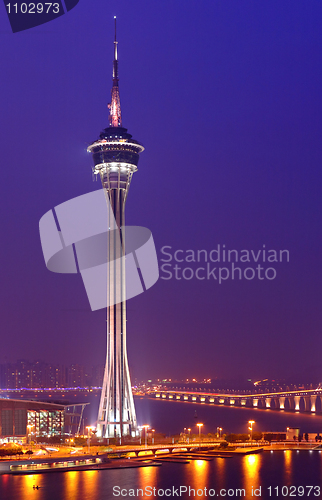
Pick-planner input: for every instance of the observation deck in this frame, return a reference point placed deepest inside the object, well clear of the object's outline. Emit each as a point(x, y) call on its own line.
point(115, 150)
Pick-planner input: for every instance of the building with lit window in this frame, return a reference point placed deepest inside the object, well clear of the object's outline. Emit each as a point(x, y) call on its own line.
point(27, 420)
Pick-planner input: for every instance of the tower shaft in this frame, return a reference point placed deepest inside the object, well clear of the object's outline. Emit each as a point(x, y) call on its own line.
point(116, 411)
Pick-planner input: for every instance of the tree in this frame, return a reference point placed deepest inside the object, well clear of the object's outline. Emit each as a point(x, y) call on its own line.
point(232, 438)
point(9, 451)
point(306, 436)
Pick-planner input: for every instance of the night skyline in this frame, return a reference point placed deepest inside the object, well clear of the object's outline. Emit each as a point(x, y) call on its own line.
point(227, 103)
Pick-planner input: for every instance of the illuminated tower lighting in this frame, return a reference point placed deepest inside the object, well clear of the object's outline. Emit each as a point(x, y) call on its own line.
point(116, 155)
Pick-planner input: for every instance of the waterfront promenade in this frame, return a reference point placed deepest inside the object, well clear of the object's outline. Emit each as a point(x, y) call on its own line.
point(66, 459)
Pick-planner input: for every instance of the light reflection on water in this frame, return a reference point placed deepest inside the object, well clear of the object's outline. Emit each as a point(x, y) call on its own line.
point(71, 485)
point(247, 471)
point(220, 467)
point(23, 487)
point(288, 454)
point(251, 465)
point(147, 477)
point(199, 475)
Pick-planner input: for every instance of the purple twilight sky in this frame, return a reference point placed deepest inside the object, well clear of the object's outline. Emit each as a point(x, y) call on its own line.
point(226, 98)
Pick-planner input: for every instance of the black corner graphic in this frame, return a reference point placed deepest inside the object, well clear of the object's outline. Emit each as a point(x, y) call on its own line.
point(25, 15)
point(70, 4)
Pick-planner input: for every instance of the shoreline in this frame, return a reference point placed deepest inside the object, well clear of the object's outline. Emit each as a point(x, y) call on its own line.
point(103, 461)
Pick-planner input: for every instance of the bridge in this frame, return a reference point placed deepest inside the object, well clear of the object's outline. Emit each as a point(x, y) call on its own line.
point(298, 400)
point(159, 449)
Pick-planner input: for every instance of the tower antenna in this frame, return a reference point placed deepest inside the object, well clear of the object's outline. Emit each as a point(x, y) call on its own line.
point(115, 105)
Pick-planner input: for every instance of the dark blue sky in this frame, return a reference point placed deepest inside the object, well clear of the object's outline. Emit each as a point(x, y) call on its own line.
point(226, 98)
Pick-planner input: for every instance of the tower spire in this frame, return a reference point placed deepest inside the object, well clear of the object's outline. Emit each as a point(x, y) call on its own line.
point(115, 117)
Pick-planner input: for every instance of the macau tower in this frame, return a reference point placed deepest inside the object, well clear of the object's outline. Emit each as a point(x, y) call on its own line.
point(116, 155)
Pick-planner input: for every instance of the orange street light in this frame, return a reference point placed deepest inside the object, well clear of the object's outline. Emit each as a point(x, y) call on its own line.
point(251, 422)
point(199, 425)
point(145, 427)
point(89, 434)
point(29, 427)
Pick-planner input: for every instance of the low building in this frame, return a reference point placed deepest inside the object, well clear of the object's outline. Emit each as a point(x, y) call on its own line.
point(292, 433)
point(22, 420)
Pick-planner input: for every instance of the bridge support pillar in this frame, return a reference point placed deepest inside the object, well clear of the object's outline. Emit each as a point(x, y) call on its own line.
point(243, 402)
point(268, 402)
point(282, 403)
point(307, 402)
point(313, 400)
point(255, 402)
point(290, 403)
point(231, 401)
point(297, 403)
